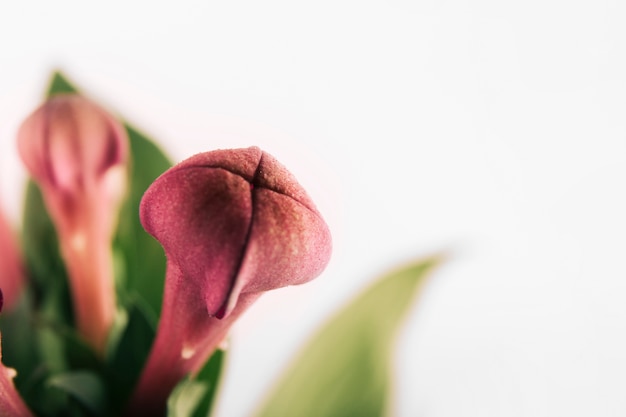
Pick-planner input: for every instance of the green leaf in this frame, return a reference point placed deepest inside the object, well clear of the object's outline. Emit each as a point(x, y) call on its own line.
point(59, 85)
point(210, 377)
point(194, 397)
point(46, 269)
point(130, 353)
point(19, 346)
point(86, 387)
point(143, 257)
point(344, 370)
point(185, 398)
point(36, 346)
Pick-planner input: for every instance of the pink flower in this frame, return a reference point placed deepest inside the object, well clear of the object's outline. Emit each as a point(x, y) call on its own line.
point(11, 403)
point(233, 224)
point(76, 152)
point(11, 268)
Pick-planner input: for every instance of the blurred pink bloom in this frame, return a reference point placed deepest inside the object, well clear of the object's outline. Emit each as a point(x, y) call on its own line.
point(11, 268)
point(11, 403)
point(77, 154)
point(233, 224)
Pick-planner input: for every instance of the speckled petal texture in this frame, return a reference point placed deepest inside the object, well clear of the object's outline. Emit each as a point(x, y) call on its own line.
point(236, 221)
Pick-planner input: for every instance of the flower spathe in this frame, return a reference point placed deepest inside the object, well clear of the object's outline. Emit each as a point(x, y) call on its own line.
point(76, 152)
point(233, 224)
point(235, 221)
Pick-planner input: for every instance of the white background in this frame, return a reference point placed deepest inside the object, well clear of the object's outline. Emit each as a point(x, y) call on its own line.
point(493, 131)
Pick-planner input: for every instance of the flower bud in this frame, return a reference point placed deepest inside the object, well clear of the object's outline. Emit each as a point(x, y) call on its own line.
point(233, 224)
point(77, 154)
point(11, 403)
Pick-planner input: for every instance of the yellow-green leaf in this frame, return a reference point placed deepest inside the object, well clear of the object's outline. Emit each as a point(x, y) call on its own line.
point(194, 397)
point(345, 369)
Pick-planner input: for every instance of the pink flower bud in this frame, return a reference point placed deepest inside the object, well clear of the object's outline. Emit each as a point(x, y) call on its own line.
point(11, 403)
point(233, 224)
point(77, 152)
point(11, 268)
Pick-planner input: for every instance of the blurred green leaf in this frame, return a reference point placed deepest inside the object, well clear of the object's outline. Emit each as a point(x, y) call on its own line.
point(46, 402)
point(344, 370)
point(210, 377)
point(37, 346)
point(45, 267)
point(185, 398)
point(59, 85)
point(86, 387)
point(128, 356)
point(19, 346)
point(143, 257)
point(193, 397)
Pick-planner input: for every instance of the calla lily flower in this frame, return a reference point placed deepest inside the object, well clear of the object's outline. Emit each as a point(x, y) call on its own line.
point(11, 268)
point(233, 224)
point(77, 153)
point(11, 403)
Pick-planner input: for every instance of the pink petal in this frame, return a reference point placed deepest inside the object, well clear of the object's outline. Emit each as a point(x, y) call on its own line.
point(77, 154)
point(69, 142)
point(11, 269)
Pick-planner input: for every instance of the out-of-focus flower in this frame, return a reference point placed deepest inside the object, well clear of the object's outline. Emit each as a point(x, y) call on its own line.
point(11, 268)
point(77, 154)
point(11, 403)
point(233, 224)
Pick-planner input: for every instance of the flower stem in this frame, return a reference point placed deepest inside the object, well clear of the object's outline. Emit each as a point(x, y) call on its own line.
point(185, 340)
point(86, 249)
